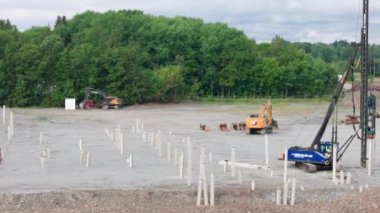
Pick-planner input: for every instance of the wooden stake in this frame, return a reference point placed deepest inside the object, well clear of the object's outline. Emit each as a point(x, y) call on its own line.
point(118, 142)
point(82, 156)
point(168, 151)
point(41, 137)
point(130, 161)
point(205, 194)
point(48, 152)
point(202, 155)
point(370, 156)
point(212, 189)
point(199, 193)
point(160, 146)
point(88, 160)
point(9, 134)
point(188, 162)
point(278, 196)
point(334, 163)
point(11, 123)
point(348, 177)
point(175, 157)
point(150, 138)
point(42, 162)
point(292, 200)
point(201, 161)
point(121, 144)
point(233, 169)
point(1, 154)
point(341, 176)
point(285, 201)
point(144, 136)
point(202, 180)
point(373, 152)
point(253, 185)
point(181, 164)
point(80, 145)
point(266, 151)
point(286, 166)
point(240, 176)
point(43, 158)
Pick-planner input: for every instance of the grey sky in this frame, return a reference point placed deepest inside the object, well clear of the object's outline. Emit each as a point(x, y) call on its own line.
point(294, 20)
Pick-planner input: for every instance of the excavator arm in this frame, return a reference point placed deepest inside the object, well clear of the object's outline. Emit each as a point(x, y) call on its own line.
point(269, 113)
point(88, 91)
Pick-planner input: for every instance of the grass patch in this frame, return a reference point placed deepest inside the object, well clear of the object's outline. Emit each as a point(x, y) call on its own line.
point(276, 101)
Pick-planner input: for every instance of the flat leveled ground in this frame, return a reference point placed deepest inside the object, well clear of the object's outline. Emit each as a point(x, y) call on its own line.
point(154, 183)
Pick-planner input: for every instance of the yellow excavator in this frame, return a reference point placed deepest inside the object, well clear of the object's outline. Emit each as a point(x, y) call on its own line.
point(263, 122)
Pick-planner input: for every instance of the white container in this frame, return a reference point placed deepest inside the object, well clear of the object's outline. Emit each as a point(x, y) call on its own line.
point(69, 103)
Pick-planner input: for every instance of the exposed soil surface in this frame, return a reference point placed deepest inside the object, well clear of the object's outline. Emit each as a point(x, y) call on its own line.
point(229, 199)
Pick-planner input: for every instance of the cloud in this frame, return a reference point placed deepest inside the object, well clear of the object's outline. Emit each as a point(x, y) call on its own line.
point(295, 20)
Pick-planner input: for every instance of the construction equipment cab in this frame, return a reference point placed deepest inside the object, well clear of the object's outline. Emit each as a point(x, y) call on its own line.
point(262, 122)
point(99, 100)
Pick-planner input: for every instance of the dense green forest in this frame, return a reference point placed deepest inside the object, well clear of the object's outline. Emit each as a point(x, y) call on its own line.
point(144, 58)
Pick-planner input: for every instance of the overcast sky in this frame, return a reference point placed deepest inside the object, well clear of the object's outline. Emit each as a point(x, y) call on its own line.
point(294, 20)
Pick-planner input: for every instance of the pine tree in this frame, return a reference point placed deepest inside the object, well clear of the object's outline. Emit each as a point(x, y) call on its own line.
point(58, 21)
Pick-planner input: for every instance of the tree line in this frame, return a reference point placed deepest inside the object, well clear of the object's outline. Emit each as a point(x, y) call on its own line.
point(143, 58)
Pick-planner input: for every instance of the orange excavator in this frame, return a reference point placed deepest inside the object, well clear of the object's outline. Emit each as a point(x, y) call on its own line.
point(263, 122)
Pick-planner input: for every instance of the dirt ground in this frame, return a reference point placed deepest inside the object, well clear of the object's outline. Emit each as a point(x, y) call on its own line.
point(228, 199)
point(154, 183)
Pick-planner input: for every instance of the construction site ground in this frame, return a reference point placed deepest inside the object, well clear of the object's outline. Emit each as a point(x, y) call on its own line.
point(154, 184)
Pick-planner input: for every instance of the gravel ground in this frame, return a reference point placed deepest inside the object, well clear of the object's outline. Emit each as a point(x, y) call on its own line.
point(153, 184)
point(228, 199)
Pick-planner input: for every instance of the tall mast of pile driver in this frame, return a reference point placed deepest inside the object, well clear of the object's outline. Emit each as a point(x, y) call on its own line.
point(364, 84)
